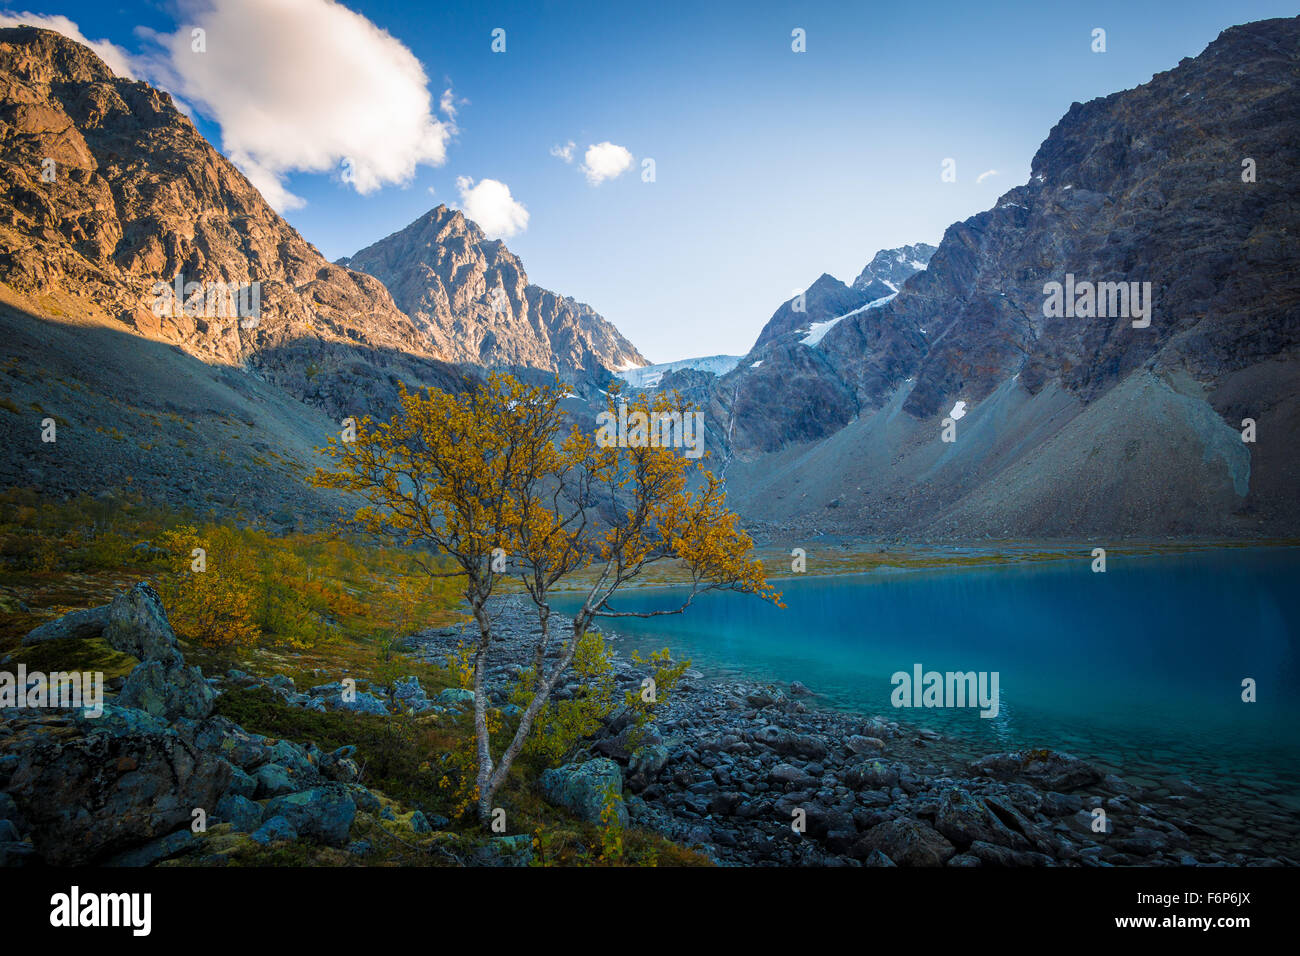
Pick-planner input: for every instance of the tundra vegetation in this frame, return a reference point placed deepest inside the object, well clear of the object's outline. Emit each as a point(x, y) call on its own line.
point(496, 473)
point(314, 608)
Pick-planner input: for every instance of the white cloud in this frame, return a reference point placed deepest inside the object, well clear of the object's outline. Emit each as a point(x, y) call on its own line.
point(564, 152)
point(490, 204)
point(117, 59)
point(605, 161)
point(449, 106)
point(305, 86)
point(985, 175)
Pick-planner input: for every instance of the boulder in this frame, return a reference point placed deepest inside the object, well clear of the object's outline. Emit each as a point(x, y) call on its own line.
point(456, 697)
point(906, 843)
point(88, 797)
point(409, 692)
point(83, 624)
point(786, 774)
point(274, 780)
point(168, 689)
point(336, 697)
point(274, 830)
point(1048, 769)
point(646, 762)
point(964, 819)
point(324, 814)
point(155, 851)
point(581, 788)
point(871, 775)
point(242, 814)
point(858, 744)
point(506, 851)
point(137, 625)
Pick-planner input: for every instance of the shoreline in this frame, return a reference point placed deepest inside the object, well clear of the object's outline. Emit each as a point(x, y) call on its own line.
point(728, 765)
point(852, 559)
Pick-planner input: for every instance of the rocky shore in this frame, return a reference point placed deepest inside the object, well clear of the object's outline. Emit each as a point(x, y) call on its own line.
point(731, 766)
point(156, 775)
point(746, 773)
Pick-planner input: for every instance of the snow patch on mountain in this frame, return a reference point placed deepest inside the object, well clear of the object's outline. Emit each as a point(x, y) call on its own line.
point(649, 376)
point(817, 331)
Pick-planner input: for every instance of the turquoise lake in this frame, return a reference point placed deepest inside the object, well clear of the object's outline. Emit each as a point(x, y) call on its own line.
point(1139, 668)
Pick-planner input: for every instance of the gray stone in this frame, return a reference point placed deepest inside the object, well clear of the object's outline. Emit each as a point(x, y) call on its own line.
point(83, 624)
point(137, 625)
point(168, 689)
point(457, 697)
point(273, 831)
point(581, 788)
point(964, 819)
point(907, 843)
point(322, 813)
point(155, 851)
point(242, 814)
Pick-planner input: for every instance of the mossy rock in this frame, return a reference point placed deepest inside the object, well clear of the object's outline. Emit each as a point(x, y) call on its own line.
point(75, 654)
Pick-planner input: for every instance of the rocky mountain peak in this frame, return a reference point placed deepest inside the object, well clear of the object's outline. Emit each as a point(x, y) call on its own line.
point(1157, 194)
point(472, 301)
point(39, 57)
point(113, 199)
point(890, 268)
point(828, 298)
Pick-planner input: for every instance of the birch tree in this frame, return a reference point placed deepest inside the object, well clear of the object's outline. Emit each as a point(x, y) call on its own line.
point(493, 480)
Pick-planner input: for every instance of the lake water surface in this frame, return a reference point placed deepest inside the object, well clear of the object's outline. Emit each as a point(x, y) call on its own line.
point(1140, 667)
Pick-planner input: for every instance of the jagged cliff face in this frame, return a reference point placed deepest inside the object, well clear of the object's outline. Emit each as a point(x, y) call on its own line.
point(1074, 423)
point(106, 190)
point(789, 369)
point(825, 299)
point(890, 268)
point(472, 302)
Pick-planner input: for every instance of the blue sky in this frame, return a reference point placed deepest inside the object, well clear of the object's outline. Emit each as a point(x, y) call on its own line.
point(771, 166)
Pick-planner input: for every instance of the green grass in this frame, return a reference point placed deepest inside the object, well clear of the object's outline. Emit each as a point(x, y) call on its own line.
point(93, 654)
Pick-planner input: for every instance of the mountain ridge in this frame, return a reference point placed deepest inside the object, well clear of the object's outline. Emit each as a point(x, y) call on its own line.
point(471, 296)
point(1143, 185)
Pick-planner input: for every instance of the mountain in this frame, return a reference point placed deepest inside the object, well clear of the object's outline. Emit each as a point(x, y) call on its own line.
point(137, 197)
point(472, 302)
point(107, 194)
point(828, 298)
point(890, 268)
point(825, 299)
point(1074, 424)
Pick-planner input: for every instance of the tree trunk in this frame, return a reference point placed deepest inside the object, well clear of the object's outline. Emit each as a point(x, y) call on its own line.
point(540, 697)
point(539, 655)
point(480, 716)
